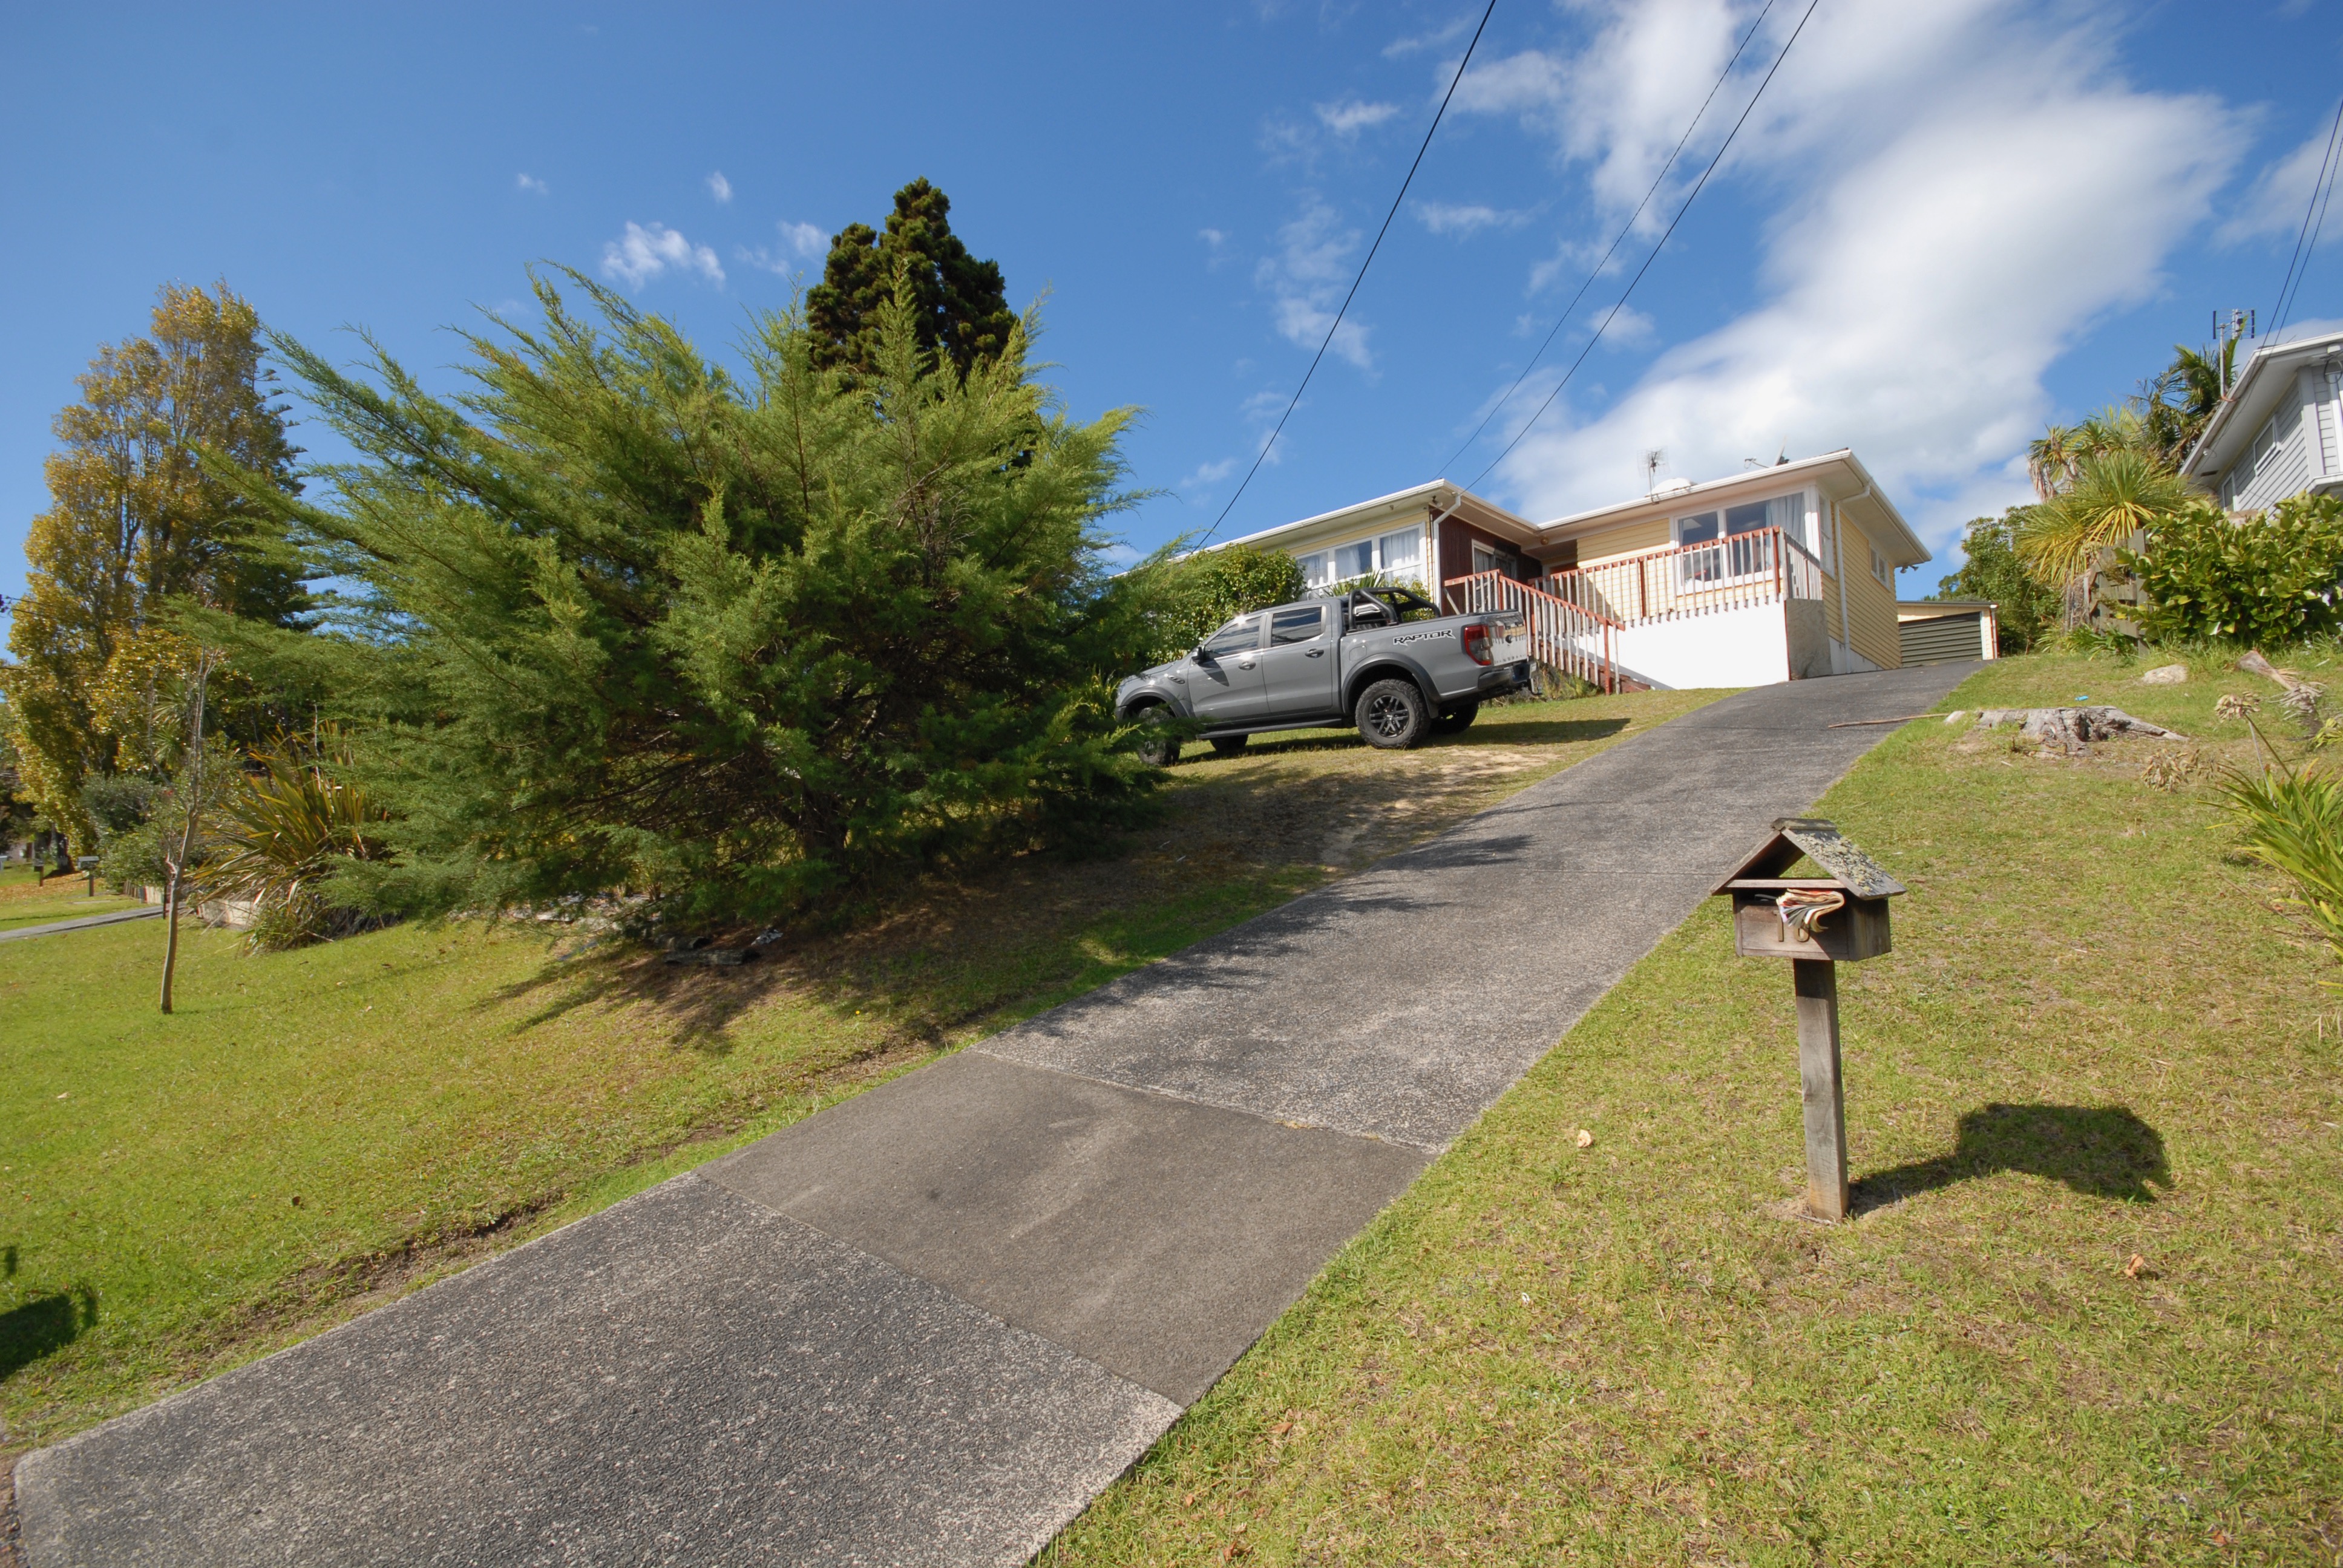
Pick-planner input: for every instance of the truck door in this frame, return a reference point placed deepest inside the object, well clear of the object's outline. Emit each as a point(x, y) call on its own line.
point(1224, 687)
point(1298, 667)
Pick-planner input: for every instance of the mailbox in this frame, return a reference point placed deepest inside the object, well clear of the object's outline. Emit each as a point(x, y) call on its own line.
point(1819, 923)
point(1840, 917)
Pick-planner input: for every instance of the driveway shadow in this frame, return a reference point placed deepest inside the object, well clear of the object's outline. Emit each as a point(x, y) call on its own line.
point(2100, 1151)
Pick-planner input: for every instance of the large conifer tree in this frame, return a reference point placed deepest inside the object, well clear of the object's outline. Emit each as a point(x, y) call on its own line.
point(960, 304)
point(749, 641)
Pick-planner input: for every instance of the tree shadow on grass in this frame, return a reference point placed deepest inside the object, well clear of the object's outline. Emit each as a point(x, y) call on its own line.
point(44, 1324)
point(2100, 1150)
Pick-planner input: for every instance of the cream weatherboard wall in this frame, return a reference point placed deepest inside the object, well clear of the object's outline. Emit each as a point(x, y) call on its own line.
point(1870, 603)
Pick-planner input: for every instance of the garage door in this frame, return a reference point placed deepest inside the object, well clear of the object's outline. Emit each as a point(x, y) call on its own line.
point(1941, 639)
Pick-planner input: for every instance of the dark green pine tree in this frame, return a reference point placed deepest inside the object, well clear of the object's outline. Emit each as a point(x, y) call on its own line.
point(961, 304)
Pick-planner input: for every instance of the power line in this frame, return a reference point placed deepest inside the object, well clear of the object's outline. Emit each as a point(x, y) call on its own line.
point(2306, 239)
point(1306, 374)
point(1618, 240)
point(1688, 200)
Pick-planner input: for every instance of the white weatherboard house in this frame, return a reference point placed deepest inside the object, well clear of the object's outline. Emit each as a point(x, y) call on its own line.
point(2279, 431)
point(1770, 575)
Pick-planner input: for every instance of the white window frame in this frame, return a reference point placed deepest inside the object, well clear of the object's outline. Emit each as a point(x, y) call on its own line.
point(1796, 524)
point(1318, 572)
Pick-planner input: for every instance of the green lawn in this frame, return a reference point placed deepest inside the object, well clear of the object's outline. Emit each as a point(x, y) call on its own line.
point(314, 1131)
point(26, 902)
point(2097, 1041)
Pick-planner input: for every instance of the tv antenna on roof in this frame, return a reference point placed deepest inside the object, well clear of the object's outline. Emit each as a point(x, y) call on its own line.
point(2241, 324)
point(1652, 461)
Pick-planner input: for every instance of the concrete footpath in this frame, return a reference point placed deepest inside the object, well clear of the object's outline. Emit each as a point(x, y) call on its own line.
point(147, 912)
point(928, 1324)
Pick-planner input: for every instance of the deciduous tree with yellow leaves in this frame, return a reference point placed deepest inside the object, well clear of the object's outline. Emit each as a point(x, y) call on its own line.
point(136, 529)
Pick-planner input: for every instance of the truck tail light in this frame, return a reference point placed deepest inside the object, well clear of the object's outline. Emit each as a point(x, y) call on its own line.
point(1476, 642)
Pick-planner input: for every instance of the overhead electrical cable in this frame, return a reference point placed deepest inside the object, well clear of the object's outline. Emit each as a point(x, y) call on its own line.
point(1616, 241)
point(2314, 218)
point(1689, 198)
point(1263, 453)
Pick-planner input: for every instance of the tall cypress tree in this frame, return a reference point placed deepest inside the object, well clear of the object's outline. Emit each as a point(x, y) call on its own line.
point(961, 307)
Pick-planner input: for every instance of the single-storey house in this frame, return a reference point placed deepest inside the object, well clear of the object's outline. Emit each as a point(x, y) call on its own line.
point(1734, 582)
point(2279, 432)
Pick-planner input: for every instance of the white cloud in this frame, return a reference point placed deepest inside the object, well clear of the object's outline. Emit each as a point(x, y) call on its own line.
point(1307, 277)
point(2276, 200)
point(1959, 195)
point(1398, 49)
point(1213, 236)
point(532, 184)
point(1464, 220)
point(1351, 117)
point(799, 243)
point(642, 254)
point(1210, 473)
point(719, 186)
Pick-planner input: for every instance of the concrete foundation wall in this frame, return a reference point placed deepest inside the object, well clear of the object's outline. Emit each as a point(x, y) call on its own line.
point(1748, 647)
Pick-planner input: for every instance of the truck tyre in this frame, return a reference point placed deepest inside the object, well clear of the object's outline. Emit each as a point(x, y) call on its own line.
point(1456, 718)
point(1391, 714)
point(1157, 744)
point(1230, 745)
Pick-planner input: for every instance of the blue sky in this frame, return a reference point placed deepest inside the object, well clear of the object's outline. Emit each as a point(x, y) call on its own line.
point(1947, 221)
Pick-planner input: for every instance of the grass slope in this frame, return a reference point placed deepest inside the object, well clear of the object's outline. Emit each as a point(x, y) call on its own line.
point(2097, 1039)
point(315, 1131)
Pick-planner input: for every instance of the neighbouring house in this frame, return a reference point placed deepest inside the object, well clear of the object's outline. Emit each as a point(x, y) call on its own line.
point(1734, 582)
point(1945, 630)
point(2279, 432)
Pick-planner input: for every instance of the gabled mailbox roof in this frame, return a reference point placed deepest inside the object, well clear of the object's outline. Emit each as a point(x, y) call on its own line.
point(1820, 841)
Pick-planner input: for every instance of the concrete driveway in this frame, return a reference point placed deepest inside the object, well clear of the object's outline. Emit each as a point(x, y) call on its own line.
point(928, 1324)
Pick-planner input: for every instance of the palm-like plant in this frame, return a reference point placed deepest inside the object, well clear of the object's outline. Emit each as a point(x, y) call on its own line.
point(2111, 496)
point(289, 826)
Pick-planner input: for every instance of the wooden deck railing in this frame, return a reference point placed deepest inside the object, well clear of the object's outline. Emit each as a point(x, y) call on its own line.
point(1760, 567)
point(1562, 636)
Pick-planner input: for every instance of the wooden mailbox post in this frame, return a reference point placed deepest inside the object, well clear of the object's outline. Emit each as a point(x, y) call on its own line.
point(1817, 923)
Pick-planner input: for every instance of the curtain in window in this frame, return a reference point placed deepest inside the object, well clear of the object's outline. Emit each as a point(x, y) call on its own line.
point(1402, 552)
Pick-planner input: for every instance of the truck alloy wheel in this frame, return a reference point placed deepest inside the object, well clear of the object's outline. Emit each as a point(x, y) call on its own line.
point(1391, 714)
point(1157, 744)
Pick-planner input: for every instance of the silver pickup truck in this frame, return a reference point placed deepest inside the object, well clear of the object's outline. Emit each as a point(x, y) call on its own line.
point(1382, 658)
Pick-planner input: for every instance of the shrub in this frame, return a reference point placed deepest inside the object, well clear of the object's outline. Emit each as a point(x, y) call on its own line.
point(1191, 596)
point(753, 639)
point(286, 830)
point(2293, 823)
point(118, 802)
point(2265, 580)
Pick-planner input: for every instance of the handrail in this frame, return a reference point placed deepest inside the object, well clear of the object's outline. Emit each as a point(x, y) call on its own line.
point(1760, 567)
point(1562, 636)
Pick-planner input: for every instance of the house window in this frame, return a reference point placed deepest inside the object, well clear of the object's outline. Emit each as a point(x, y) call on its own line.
point(1395, 556)
point(1735, 553)
point(1881, 569)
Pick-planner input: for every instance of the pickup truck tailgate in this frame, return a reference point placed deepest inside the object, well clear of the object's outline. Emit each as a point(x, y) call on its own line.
point(1509, 639)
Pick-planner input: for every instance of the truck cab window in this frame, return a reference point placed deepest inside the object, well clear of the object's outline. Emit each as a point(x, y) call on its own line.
point(1301, 625)
point(1240, 636)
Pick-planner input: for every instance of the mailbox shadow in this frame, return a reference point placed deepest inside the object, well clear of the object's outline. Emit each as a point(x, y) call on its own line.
point(2100, 1151)
point(45, 1323)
